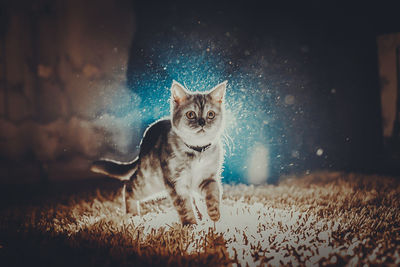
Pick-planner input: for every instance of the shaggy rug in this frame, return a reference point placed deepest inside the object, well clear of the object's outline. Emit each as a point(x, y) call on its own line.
point(319, 219)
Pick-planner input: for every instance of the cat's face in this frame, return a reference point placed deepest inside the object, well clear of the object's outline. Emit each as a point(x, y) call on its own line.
point(198, 118)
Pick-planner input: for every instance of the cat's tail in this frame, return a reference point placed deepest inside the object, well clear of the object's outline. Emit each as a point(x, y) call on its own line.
point(120, 170)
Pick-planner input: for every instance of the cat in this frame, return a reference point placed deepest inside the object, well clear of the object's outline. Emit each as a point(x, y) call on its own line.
point(179, 155)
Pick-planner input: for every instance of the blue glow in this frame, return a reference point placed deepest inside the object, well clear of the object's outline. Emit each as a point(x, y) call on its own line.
point(200, 68)
point(251, 102)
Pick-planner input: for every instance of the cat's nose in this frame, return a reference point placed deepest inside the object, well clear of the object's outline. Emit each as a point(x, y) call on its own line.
point(202, 122)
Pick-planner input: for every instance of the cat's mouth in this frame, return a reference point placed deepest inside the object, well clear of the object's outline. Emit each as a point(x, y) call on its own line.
point(201, 131)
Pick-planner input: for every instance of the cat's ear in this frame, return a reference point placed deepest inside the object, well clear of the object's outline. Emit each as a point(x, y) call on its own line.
point(218, 92)
point(178, 92)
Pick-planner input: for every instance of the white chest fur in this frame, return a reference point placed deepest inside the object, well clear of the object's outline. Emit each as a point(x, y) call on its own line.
point(206, 165)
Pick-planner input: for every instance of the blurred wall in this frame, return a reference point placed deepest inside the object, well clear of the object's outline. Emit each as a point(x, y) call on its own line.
point(61, 64)
point(387, 45)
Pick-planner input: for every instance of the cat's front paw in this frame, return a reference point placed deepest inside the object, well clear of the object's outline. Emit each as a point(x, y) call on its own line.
point(213, 212)
point(189, 221)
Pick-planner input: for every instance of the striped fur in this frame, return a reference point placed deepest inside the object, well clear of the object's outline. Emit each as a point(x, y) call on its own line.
point(115, 169)
point(178, 156)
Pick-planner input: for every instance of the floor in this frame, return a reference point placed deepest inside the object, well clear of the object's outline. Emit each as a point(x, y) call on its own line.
point(325, 218)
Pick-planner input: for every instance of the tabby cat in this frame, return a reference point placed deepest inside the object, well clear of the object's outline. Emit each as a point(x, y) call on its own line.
point(178, 155)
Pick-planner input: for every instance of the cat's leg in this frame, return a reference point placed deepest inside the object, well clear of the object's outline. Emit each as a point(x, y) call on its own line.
point(211, 189)
point(182, 201)
point(176, 177)
point(132, 205)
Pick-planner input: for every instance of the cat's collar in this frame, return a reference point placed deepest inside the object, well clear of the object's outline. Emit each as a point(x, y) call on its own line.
point(199, 148)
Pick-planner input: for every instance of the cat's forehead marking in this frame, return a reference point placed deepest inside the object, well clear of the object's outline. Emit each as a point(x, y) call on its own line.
point(200, 101)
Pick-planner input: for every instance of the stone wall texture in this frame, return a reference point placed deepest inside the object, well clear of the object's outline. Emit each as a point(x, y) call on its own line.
point(60, 64)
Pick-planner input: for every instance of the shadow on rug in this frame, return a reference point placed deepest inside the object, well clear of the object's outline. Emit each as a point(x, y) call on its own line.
point(323, 218)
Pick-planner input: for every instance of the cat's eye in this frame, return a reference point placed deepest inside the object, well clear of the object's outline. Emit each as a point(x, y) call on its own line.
point(210, 115)
point(191, 115)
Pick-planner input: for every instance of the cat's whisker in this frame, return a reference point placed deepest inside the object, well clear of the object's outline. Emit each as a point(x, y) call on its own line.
point(229, 142)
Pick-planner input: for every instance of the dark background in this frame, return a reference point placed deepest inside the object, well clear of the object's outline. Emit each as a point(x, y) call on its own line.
point(308, 68)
